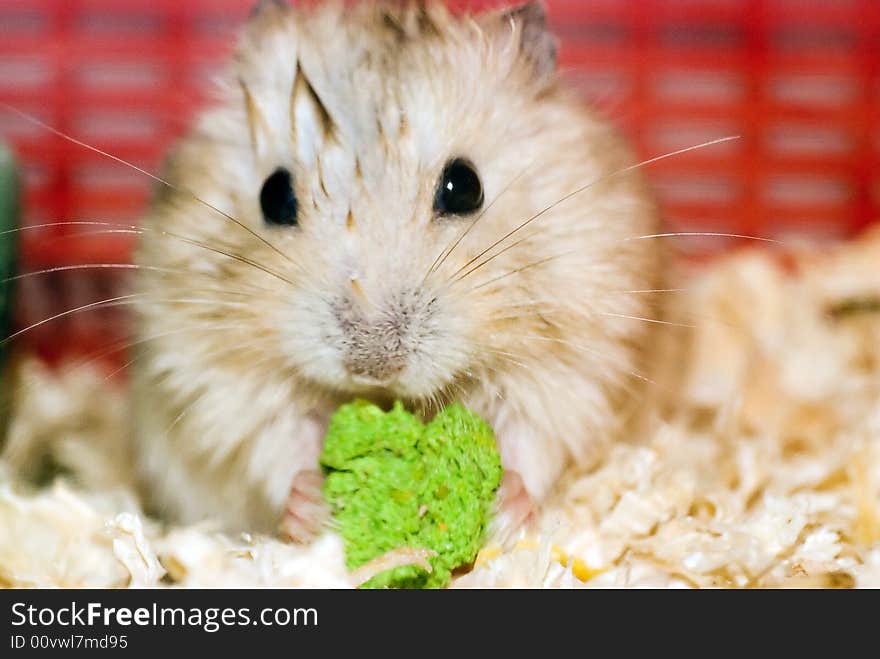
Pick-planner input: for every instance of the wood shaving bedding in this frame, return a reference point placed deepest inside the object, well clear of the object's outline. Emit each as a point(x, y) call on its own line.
point(767, 474)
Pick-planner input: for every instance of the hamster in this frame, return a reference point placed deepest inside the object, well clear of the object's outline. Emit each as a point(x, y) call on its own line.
point(382, 205)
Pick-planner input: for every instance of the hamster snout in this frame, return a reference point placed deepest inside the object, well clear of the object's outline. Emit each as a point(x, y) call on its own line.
point(391, 216)
point(376, 347)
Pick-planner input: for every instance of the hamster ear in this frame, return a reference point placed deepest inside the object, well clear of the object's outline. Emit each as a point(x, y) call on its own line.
point(266, 12)
point(266, 19)
point(528, 24)
point(263, 5)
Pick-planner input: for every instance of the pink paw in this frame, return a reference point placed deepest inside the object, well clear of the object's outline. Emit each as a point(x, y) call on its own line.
point(514, 509)
point(306, 511)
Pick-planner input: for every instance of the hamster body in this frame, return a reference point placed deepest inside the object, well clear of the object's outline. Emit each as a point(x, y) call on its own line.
point(350, 152)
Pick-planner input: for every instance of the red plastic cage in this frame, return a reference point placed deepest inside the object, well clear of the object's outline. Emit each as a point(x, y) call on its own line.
point(799, 80)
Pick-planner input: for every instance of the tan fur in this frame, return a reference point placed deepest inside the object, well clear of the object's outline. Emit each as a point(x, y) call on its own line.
point(240, 367)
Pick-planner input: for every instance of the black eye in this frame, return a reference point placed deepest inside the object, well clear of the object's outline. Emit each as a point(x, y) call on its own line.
point(460, 191)
point(278, 200)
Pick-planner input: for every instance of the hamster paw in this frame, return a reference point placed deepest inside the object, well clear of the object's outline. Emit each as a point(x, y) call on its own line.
point(514, 509)
point(306, 512)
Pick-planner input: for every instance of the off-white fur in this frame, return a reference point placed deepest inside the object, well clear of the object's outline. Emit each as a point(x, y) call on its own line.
point(239, 368)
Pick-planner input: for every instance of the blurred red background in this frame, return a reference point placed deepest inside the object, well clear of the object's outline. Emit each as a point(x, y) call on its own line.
point(799, 80)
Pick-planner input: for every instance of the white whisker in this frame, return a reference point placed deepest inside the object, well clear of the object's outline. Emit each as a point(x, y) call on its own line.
point(508, 356)
point(123, 229)
point(601, 179)
point(49, 225)
point(646, 320)
point(656, 290)
point(519, 270)
point(119, 346)
point(158, 179)
point(85, 266)
point(592, 351)
point(119, 301)
point(115, 301)
point(488, 260)
point(704, 234)
point(445, 254)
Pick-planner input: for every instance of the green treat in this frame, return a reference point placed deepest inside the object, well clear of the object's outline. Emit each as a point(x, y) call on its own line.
point(384, 468)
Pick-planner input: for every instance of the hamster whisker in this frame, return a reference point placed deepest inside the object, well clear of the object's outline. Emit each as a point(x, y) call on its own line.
point(531, 310)
point(133, 230)
point(144, 230)
point(189, 300)
point(47, 225)
point(195, 328)
point(696, 317)
point(432, 403)
point(119, 346)
point(525, 315)
point(507, 356)
point(535, 305)
point(459, 388)
point(85, 266)
point(493, 369)
point(441, 400)
point(231, 255)
point(247, 295)
point(255, 292)
point(119, 301)
point(587, 349)
point(436, 401)
point(491, 258)
point(597, 181)
point(158, 179)
point(126, 266)
point(226, 349)
point(656, 290)
point(441, 259)
point(186, 409)
point(534, 264)
point(646, 320)
point(542, 307)
point(706, 234)
point(110, 302)
point(549, 311)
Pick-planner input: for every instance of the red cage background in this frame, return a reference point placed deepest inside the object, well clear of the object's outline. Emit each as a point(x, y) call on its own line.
point(799, 80)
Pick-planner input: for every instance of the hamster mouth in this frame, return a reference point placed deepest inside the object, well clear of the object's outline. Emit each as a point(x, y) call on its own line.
point(376, 391)
point(385, 393)
point(370, 382)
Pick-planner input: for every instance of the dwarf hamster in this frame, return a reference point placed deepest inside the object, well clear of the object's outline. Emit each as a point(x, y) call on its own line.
point(381, 205)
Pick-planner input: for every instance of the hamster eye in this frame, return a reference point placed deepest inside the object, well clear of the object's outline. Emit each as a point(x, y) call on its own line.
point(460, 191)
point(277, 199)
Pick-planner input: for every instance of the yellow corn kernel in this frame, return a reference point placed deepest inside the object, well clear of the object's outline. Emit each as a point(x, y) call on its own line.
point(560, 556)
point(583, 571)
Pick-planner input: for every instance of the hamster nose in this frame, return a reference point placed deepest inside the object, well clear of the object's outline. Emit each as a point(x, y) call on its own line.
point(374, 368)
point(377, 347)
point(375, 353)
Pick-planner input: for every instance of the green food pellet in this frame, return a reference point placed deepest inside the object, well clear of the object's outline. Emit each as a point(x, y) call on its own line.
point(395, 482)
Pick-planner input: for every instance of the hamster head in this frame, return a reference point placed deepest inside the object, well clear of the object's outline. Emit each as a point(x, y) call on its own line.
point(371, 157)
